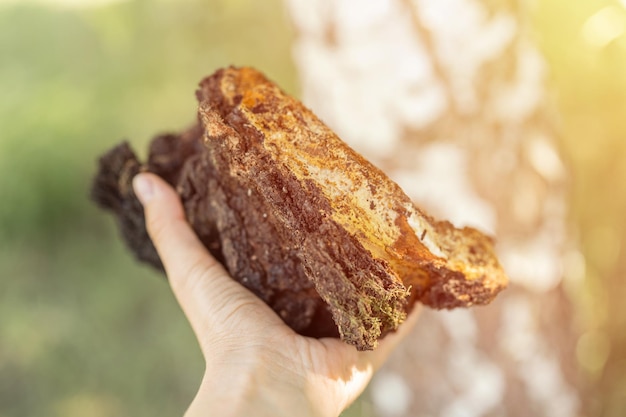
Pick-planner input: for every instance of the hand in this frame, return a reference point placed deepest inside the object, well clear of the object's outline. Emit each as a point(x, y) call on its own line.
point(255, 364)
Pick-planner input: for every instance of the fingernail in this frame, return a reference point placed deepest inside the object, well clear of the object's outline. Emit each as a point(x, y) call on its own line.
point(144, 188)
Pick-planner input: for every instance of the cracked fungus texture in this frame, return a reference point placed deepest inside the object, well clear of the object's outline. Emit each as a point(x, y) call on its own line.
point(448, 98)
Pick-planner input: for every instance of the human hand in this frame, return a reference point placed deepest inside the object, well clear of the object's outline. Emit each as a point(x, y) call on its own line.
point(255, 364)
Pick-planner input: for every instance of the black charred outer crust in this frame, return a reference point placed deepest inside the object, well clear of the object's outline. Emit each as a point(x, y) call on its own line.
point(274, 231)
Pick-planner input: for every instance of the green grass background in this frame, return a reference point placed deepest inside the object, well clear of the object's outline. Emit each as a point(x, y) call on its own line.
point(86, 331)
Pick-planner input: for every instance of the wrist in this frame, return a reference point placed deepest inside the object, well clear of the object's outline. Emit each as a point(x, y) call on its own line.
point(255, 386)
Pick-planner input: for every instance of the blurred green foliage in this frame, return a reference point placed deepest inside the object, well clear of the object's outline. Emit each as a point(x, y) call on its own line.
point(84, 329)
point(585, 46)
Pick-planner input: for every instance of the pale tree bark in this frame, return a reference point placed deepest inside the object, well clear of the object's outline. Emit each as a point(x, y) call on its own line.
point(448, 97)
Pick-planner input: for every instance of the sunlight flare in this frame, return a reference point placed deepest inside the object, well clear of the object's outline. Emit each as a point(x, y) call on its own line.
point(603, 27)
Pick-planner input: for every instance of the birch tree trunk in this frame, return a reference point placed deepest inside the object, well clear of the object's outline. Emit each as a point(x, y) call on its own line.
point(448, 98)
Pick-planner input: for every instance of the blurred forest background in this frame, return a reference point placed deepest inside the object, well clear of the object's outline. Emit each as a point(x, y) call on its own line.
point(85, 330)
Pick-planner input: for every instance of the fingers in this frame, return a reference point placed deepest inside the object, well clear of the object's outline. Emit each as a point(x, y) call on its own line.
point(387, 345)
point(197, 279)
point(203, 288)
point(178, 247)
point(371, 360)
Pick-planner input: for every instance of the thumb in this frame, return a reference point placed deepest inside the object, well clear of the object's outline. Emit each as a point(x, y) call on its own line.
point(199, 282)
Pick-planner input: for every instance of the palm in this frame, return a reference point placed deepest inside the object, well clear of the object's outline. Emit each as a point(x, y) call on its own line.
point(243, 341)
point(334, 370)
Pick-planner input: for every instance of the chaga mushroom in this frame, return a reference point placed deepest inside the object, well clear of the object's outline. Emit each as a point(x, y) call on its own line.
point(299, 218)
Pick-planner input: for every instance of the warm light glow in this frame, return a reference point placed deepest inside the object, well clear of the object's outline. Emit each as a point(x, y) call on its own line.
point(606, 25)
point(545, 159)
point(391, 394)
point(592, 350)
point(63, 3)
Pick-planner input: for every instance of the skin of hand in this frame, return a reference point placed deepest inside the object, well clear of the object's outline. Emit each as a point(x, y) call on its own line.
point(255, 364)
